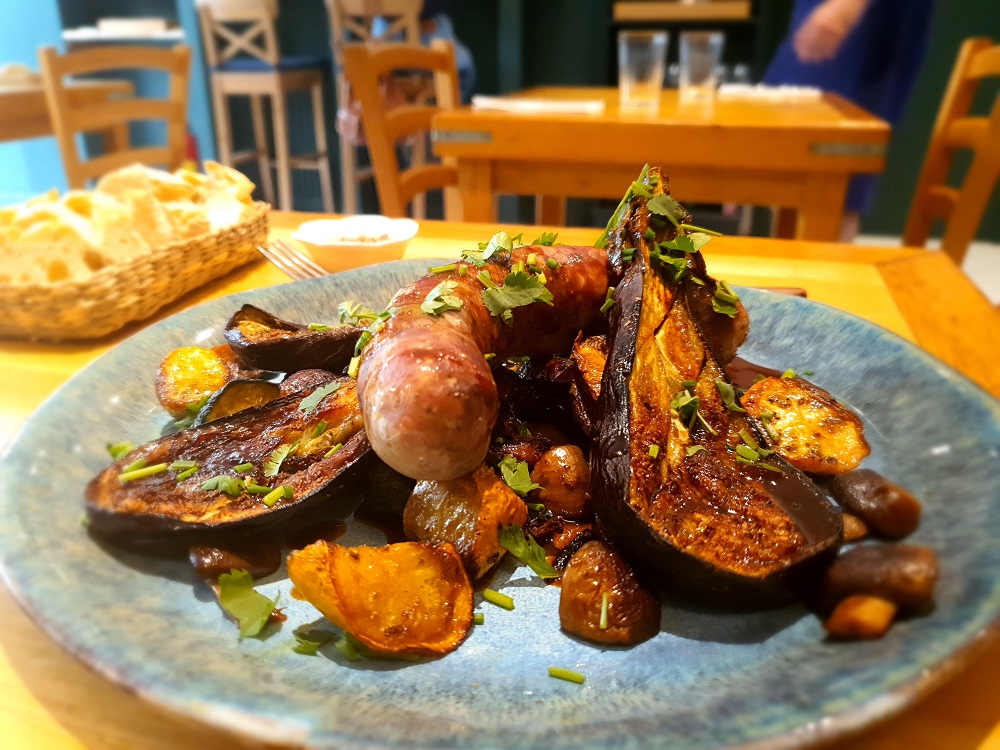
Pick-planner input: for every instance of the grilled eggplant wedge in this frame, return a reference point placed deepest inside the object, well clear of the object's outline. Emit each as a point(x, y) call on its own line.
point(265, 342)
point(682, 478)
point(240, 462)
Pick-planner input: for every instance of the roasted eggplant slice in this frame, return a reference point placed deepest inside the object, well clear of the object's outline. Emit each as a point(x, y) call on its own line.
point(681, 478)
point(589, 356)
point(235, 396)
point(263, 341)
point(239, 463)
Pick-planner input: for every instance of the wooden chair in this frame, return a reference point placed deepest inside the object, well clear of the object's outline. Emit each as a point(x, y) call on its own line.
point(241, 47)
point(962, 208)
point(365, 65)
point(71, 117)
point(352, 21)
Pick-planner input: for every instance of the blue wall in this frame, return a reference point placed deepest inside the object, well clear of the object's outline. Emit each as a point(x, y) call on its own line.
point(28, 167)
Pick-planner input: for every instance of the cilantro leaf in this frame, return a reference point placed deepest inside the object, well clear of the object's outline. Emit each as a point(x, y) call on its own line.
point(307, 642)
point(602, 241)
point(724, 300)
point(350, 312)
point(527, 550)
point(686, 406)
point(515, 474)
point(377, 324)
point(310, 402)
point(519, 289)
point(499, 242)
point(440, 299)
point(547, 239)
point(788, 373)
point(248, 607)
point(120, 450)
point(272, 466)
point(226, 484)
point(728, 394)
point(192, 410)
point(664, 205)
point(694, 449)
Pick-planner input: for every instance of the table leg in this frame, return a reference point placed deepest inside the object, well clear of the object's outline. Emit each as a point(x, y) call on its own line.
point(784, 222)
point(822, 212)
point(475, 180)
point(550, 210)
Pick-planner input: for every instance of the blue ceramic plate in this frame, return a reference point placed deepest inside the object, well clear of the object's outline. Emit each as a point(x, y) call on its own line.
point(706, 681)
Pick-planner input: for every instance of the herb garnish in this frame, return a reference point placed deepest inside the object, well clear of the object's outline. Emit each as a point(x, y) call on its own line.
point(141, 472)
point(500, 600)
point(192, 410)
point(686, 405)
point(350, 312)
point(527, 550)
point(243, 468)
point(765, 418)
point(789, 373)
point(515, 474)
point(318, 327)
point(654, 450)
point(441, 299)
point(692, 449)
point(609, 300)
point(224, 483)
point(499, 242)
point(567, 674)
point(603, 623)
point(248, 607)
point(308, 643)
point(728, 394)
point(310, 402)
point(724, 299)
point(602, 241)
point(519, 289)
point(547, 239)
point(120, 450)
point(284, 492)
point(478, 618)
point(333, 450)
point(272, 466)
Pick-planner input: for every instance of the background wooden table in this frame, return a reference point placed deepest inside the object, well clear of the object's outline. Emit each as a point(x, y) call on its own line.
point(49, 700)
point(795, 154)
point(25, 114)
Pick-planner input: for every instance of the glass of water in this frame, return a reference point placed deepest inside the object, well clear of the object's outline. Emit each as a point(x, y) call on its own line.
point(700, 55)
point(642, 56)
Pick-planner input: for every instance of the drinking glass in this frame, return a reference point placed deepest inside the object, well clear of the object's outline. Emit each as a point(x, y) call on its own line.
point(700, 54)
point(642, 56)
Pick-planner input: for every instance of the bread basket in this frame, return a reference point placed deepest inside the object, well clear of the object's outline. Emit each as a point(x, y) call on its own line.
point(132, 290)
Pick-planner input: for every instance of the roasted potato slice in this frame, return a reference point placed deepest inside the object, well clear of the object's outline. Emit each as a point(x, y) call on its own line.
point(564, 476)
point(632, 613)
point(467, 513)
point(808, 427)
point(589, 356)
point(189, 374)
point(860, 618)
point(402, 599)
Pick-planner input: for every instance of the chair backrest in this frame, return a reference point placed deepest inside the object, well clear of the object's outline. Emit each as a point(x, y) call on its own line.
point(233, 27)
point(111, 117)
point(961, 208)
point(365, 66)
point(351, 21)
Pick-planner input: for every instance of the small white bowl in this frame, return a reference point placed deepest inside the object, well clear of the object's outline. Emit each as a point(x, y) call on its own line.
point(341, 244)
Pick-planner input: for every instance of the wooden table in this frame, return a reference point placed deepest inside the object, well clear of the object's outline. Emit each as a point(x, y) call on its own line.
point(49, 700)
point(24, 113)
point(797, 155)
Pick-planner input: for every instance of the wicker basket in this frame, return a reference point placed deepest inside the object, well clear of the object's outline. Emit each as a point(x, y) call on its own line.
point(128, 291)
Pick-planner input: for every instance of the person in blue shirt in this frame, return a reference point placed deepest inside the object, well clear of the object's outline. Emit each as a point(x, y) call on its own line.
point(436, 24)
point(869, 52)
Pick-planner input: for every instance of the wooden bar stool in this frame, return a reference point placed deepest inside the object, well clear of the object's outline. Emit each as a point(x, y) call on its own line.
point(242, 50)
point(352, 21)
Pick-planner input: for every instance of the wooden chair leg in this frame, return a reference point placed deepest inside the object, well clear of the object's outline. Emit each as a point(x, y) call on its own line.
point(348, 179)
point(323, 160)
point(263, 150)
point(418, 157)
point(965, 219)
point(281, 157)
point(223, 133)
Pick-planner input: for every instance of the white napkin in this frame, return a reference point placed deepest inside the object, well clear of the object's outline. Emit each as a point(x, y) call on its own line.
point(539, 106)
point(767, 93)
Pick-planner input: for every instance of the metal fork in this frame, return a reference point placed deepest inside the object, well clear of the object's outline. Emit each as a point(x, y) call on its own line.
point(291, 261)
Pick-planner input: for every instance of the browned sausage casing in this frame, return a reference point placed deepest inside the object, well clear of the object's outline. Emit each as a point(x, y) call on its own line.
point(426, 391)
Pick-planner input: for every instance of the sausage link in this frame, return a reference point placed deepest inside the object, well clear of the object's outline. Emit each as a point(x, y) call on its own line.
point(427, 392)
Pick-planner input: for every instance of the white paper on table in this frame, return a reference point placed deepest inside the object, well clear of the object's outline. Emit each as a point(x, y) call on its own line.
point(767, 93)
point(539, 106)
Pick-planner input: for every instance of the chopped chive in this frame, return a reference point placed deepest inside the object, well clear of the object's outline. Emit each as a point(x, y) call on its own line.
point(654, 450)
point(187, 473)
point(789, 373)
point(746, 461)
point(604, 611)
point(694, 449)
point(352, 369)
point(145, 471)
point(628, 253)
point(500, 600)
point(688, 383)
point(462, 270)
point(810, 373)
point(135, 465)
point(444, 269)
point(748, 453)
point(705, 423)
point(489, 356)
point(566, 674)
point(243, 468)
point(693, 228)
point(760, 376)
point(649, 234)
point(532, 259)
point(333, 450)
point(769, 467)
point(256, 489)
point(318, 327)
point(485, 279)
point(319, 430)
point(182, 465)
point(552, 263)
point(284, 491)
point(120, 450)
point(479, 618)
point(609, 300)
point(748, 439)
point(346, 648)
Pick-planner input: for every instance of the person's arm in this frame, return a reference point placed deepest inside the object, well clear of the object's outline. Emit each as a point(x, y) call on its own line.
point(820, 36)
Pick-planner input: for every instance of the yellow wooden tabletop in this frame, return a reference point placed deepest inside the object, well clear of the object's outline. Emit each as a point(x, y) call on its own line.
point(49, 700)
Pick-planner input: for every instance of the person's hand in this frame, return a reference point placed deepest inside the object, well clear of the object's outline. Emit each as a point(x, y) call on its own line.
point(820, 36)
